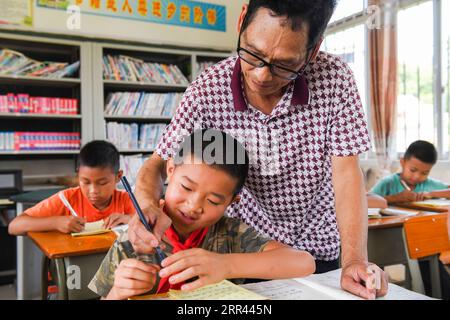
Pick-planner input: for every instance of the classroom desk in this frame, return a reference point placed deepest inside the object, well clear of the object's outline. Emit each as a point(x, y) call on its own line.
point(76, 260)
point(386, 246)
point(414, 206)
point(29, 257)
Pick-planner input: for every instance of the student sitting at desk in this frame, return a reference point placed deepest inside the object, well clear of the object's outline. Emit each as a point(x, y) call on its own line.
point(202, 243)
point(95, 198)
point(412, 183)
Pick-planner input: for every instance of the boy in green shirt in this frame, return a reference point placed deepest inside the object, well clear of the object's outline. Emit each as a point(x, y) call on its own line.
point(412, 183)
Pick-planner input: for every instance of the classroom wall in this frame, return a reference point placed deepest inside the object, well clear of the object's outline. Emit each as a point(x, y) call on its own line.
point(54, 21)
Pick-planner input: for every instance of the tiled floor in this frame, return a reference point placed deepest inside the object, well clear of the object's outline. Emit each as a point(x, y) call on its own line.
point(8, 292)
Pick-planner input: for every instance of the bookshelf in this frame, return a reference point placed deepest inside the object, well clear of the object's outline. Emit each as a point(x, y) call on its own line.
point(206, 58)
point(39, 152)
point(31, 116)
point(140, 93)
point(89, 86)
point(49, 112)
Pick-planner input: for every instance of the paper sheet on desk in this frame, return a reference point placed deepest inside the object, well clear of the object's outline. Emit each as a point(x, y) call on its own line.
point(91, 228)
point(373, 212)
point(6, 202)
point(434, 203)
point(224, 290)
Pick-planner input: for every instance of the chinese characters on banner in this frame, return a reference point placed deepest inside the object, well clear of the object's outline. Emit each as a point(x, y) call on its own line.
point(184, 13)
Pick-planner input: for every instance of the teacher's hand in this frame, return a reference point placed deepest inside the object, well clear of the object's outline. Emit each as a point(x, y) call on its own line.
point(143, 241)
point(364, 279)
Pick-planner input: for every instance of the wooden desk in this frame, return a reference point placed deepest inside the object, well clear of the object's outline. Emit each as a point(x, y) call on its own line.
point(412, 205)
point(395, 221)
point(386, 245)
point(71, 255)
point(55, 244)
point(29, 257)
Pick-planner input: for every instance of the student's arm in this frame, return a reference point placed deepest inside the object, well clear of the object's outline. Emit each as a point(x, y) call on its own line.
point(47, 215)
point(376, 201)
point(405, 196)
point(149, 186)
point(25, 223)
point(438, 194)
point(276, 261)
point(351, 214)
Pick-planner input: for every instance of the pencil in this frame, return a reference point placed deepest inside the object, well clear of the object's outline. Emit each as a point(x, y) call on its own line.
point(405, 185)
point(159, 253)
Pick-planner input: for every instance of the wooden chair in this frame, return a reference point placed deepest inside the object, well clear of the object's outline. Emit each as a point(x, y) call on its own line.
point(425, 237)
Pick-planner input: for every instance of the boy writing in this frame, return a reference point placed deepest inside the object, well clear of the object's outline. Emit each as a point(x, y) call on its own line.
point(413, 183)
point(201, 244)
point(95, 198)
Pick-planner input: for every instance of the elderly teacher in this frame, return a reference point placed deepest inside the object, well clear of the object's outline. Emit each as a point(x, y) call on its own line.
point(299, 113)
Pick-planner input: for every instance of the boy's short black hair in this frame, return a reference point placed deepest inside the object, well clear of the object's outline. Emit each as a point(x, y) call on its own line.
point(316, 13)
point(423, 151)
point(219, 150)
point(99, 154)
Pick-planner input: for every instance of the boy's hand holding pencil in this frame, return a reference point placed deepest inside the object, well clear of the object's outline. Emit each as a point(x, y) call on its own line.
point(69, 224)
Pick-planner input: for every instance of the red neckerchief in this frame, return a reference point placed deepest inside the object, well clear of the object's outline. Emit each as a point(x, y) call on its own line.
point(194, 240)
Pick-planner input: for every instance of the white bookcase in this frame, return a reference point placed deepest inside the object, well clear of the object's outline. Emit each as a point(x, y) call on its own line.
point(89, 87)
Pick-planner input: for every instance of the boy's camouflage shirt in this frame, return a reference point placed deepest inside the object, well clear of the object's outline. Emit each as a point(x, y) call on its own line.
point(228, 235)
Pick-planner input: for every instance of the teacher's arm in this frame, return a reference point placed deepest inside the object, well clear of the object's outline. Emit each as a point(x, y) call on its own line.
point(149, 187)
point(351, 213)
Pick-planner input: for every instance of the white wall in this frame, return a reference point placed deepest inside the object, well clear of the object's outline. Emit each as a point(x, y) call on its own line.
point(54, 21)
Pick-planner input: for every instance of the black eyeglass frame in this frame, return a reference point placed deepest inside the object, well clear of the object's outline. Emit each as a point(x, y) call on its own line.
point(295, 74)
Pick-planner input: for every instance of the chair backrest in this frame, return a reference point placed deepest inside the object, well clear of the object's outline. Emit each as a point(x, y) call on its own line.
point(426, 235)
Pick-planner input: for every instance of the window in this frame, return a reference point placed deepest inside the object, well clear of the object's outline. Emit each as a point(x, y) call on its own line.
point(446, 73)
point(349, 44)
point(415, 113)
point(346, 8)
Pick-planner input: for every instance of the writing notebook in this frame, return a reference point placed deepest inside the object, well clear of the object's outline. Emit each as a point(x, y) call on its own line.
point(433, 203)
point(224, 290)
point(91, 228)
point(324, 286)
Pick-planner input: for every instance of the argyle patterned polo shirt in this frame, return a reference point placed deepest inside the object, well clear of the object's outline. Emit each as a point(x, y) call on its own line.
point(288, 195)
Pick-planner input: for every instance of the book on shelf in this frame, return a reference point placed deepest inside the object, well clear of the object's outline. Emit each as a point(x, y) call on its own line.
point(142, 104)
point(130, 164)
point(14, 63)
point(133, 136)
point(23, 103)
point(202, 66)
point(126, 68)
point(33, 141)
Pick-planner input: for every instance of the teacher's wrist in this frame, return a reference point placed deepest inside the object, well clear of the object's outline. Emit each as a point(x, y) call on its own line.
point(348, 263)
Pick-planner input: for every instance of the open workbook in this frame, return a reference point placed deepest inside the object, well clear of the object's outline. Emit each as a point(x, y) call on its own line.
point(91, 228)
point(97, 227)
point(387, 212)
point(315, 287)
point(433, 203)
